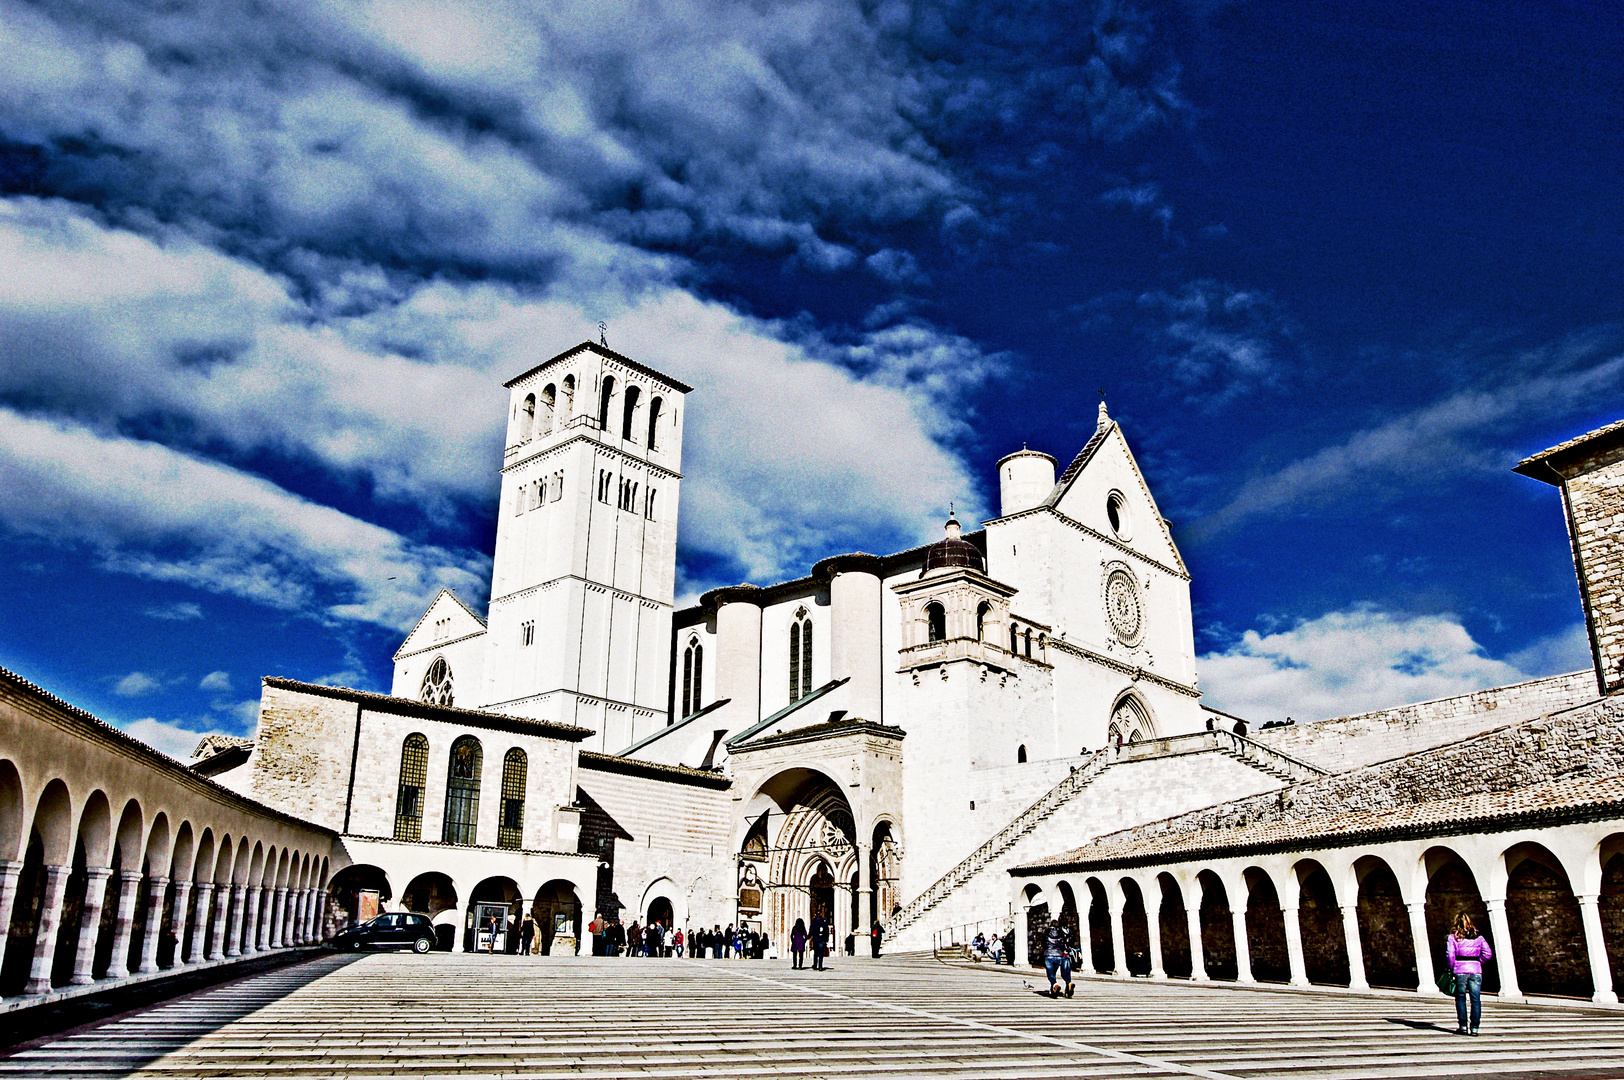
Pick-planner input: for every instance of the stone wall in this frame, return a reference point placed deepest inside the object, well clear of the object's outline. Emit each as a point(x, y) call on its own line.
point(1587, 739)
point(1596, 512)
point(1349, 742)
point(302, 751)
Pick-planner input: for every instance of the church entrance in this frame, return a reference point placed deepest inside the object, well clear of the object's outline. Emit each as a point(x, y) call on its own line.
point(822, 888)
point(659, 911)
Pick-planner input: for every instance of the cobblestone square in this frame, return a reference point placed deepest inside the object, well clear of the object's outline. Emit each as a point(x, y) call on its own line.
point(474, 1016)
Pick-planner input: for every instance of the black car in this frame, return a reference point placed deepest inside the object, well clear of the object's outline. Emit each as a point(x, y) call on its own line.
point(389, 931)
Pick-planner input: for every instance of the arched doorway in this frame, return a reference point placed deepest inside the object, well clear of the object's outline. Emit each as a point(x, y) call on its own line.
point(1319, 921)
point(491, 905)
point(1452, 890)
point(1547, 937)
point(557, 910)
point(1611, 906)
point(809, 844)
point(821, 888)
point(1175, 928)
point(1217, 928)
point(660, 911)
point(886, 873)
point(1265, 929)
point(1101, 948)
point(1037, 920)
point(1135, 929)
point(358, 892)
point(1384, 927)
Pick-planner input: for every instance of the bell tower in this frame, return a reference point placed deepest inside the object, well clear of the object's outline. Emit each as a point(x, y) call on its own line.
point(586, 544)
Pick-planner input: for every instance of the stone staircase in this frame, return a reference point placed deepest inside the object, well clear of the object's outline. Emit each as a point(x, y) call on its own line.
point(1280, 766)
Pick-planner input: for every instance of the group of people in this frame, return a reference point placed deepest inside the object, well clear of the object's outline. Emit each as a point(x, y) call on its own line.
point(1000, 948)
point(611, 938)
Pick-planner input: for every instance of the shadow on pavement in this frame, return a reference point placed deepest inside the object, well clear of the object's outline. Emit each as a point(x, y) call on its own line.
point(26, 1028)
point(1421, 1025)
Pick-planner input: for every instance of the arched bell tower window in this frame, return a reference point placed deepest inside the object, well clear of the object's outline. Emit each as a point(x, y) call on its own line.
point(800, 656)
point(981, 620)
point(510, 833)
point(544, 417)
point(527, 417)
point(629, 414)
point(414, 764)
point(437, 683)
point(936, 617)
point(654, 422)
point(1014, 640)
point(1020, 754)
point(693, 676)
point(1027, 642)
point(569, 396)
point(462, 792)
point(604, 396)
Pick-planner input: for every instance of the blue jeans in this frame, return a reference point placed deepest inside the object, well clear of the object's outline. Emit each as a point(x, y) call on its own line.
point(1468, 986)
point(1057, 964)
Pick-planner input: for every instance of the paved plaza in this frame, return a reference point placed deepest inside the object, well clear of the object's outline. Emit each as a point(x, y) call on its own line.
point(460, 1015)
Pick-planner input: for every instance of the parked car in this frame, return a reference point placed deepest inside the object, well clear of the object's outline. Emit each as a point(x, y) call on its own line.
point(391, 930)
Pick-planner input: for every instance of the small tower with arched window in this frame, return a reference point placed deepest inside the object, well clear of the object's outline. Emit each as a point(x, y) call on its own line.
point(953, 610)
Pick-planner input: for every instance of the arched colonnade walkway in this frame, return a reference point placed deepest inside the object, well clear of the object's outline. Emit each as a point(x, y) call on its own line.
point(1550, 900)
point(116, 860)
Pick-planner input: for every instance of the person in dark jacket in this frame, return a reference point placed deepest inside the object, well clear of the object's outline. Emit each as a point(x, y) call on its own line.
point(797, 945)
point(1057, 958)
point(875, 934)
point(820, 941)
point(527, 935)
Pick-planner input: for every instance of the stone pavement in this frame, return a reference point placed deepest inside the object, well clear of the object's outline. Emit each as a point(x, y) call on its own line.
point(471, 1016)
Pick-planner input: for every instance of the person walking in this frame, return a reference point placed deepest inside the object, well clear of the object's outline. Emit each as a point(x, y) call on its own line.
point(1057, 959)
point(677, 943)
point(797, 945)
point(875, 934)
point(1467, 949)
point(527, 934)
point(820, 941)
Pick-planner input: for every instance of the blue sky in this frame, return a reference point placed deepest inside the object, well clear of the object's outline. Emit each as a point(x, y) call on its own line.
point(263, 269)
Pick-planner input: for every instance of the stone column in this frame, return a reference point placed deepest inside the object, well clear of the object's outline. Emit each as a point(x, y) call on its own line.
point(459, 940)
point(1198, 958)
point(10, 871)
point(129, 890)
point(177, 921)
point(1423, 949)
point(1085, 945)
point(308, 923)
point(200, 921)
point(1292, 917)
point(865, 897)
point(301, 905)
point(1243, 953)
point(277, 915)
point(222, 912)
point(250, 934)
point(1119, 948)
point(319, 930)
point(50, 920)
point(156, 888)
point(1601, 972)
point(290, 922)
point(267, 897)
point(234, 937)
point(90, 924)
point(1153, 930)
point(1509, 991)
point(1356, 948)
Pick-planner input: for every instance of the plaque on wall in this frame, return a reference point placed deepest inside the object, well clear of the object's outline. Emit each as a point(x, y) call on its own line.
point(750, 898)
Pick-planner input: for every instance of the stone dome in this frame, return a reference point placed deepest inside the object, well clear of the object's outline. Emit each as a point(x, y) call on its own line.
point(953, 551)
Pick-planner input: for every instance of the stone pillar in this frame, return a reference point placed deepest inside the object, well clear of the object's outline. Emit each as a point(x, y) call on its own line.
point(267, 897)
point(234, 937)
point(865, 898)
point(90, 924)
point(254, 896)
point(322, 898)
point(1243, 954)
point(10, 871)
point(1153, 930)
point(50, 920)
point(1509, 991)
point(222, 912)
point(1292, 917)
point(277, 916)
point(1601, 972)
point(290, 924)
point(1119, 948)
point(459, 940)
point(311, 904)
point(1423, 949)
point(177, 921)
point(1198, 958)
point(301, 913)
point(1356, 948)
point(200, 921)
point(129, 890)
point(1085, 943)
point(156, 887)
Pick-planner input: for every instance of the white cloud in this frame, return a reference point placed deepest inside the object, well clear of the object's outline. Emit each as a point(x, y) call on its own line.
point(135, 684)
point(1348, 662)
point(215, 680)
point(150, 511)
point(176, 741)
point(179, 611)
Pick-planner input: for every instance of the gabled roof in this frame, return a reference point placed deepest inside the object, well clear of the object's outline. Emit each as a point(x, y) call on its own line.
point(483, 625)
point(1547, 465)
point(799, 703)
point(669, 728)
point(608, 354)
point(450, 714)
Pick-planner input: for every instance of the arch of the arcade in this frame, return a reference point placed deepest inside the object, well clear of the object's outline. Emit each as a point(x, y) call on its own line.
point(821, 830)
point(115, 859)
point(462, 889)
point(1550, 900)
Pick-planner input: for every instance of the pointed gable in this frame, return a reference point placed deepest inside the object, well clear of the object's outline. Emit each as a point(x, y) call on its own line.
point(447, 618)
point(1104, 481)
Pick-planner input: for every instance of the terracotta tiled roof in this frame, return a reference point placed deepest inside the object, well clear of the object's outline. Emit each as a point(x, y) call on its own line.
point(1553, 802)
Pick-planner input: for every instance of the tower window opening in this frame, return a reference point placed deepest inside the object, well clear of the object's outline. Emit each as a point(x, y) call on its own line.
point(604, 477)
point(527, 632)
point(936, 617)
point(544, 415)
point(981, 621)
point(527, 417)
point(1028, 643)
point(1020, 755)
point(654, 422)
point(628, 419)
point(604, 396)
point(648, 505)
point(569, 396)
point(558, 486)
point(1014, 639)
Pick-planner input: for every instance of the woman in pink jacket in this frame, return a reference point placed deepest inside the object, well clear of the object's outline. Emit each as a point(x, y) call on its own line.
point(1467, 951)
